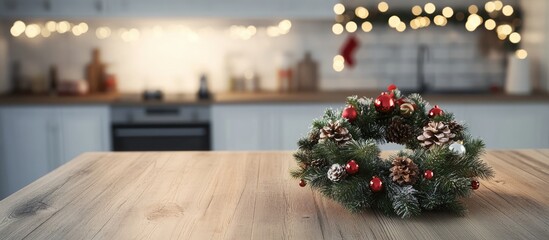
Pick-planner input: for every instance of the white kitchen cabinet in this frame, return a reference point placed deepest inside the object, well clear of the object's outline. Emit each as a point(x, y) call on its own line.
point(53, 8)
point(38, 139)
point(241, 9)
point(83, 130)
point(28, 145)
point(262, 126)
point(279, 127)
point(261, 9)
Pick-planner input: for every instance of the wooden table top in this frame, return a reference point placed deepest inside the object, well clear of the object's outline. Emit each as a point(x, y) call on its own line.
point(243, 195)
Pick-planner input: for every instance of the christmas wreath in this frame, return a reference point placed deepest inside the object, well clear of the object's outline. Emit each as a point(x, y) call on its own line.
point(440, 165)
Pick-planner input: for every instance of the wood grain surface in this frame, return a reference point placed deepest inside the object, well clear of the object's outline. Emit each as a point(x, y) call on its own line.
point(243, 195)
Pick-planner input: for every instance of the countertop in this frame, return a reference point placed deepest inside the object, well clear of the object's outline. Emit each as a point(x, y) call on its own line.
point(250, 195)
point(261, 98)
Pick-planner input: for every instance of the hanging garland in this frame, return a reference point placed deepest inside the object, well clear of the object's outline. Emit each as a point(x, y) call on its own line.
point(340, 157)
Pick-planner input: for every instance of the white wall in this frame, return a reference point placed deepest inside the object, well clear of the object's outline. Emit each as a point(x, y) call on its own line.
point(535, 35)
point(173, 61)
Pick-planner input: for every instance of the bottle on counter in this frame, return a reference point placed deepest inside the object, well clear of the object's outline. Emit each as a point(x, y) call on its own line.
point(285, 74)
point(95, 72)
point(53, 79)
point(203, 92)
point(307, 74)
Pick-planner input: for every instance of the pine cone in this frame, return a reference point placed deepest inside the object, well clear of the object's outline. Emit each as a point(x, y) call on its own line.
point(435, 133)
point(318, 162)
point(399, 132)
point(335, 131)
point(455, 127)
point(404, 171)
point(336, 172)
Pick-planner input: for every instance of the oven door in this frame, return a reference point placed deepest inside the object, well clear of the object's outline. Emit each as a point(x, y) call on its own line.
point(161, 137)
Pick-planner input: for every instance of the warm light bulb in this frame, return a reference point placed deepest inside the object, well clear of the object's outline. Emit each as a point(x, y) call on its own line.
point(414, 24)
point(401, 27)
point(504, 29)
point(18, 28)
point(473, 9)
point(285, 25)
point(339, 9)
point(361, 12)
point(367, 26)
point(507, 10)
point(490, 24)
point(515, 37)
point(337, 28)
point(51, 26)
point(77, 31)
point(448, 12)
point(83, 27)
point(351, 27)
point(440, 20)
point(522, 54)
point(383, 7)
point(32, 30)
point(490, 6)
point(45, 32)
point(417, 10)
point(498, 5)
point(338, 63)
point(103, 32)
point(63, 27)
point(394, 21)
point(430, 8)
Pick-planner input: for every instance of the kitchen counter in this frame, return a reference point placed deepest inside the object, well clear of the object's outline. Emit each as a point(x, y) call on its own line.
point(250, 195)
point(259, 98)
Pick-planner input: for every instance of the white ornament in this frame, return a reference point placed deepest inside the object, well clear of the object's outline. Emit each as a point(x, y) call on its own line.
point(457, 148)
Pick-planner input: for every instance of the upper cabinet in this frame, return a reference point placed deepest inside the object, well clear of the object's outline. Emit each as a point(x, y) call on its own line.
point(52, 8)
point(237, 9)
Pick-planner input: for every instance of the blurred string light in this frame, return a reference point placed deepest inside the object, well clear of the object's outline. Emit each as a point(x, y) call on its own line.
point(521, 54)
point(18, 28)
point(367, 26)
point(491, 15)
point(338, 63)
point(337, 28)
point(32, 30)
point(447, 12)
point(351, 27)
point(339, 8)
point(473, 9)
point(490, 24)
point(362, 12)
point(417, 10)
point(430, 8)
point(507, 10)
point(383, 7)
point(103, 32)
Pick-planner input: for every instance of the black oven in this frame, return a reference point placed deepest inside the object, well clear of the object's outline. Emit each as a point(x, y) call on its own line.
point(161, 128)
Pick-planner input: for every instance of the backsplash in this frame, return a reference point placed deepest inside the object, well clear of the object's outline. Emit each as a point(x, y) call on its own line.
point(171, 55)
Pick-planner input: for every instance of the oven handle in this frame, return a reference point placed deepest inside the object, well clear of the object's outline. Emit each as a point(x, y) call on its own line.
point(160, 132)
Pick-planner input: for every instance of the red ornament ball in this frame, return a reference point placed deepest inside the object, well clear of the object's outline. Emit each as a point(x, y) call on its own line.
point(375, 184)
point(351, 167)
point(302, 183)
point(350, 113)
point(384, 103)
point(475, 184)
point(428, 174)
point(435, 111)
point(391, 87)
